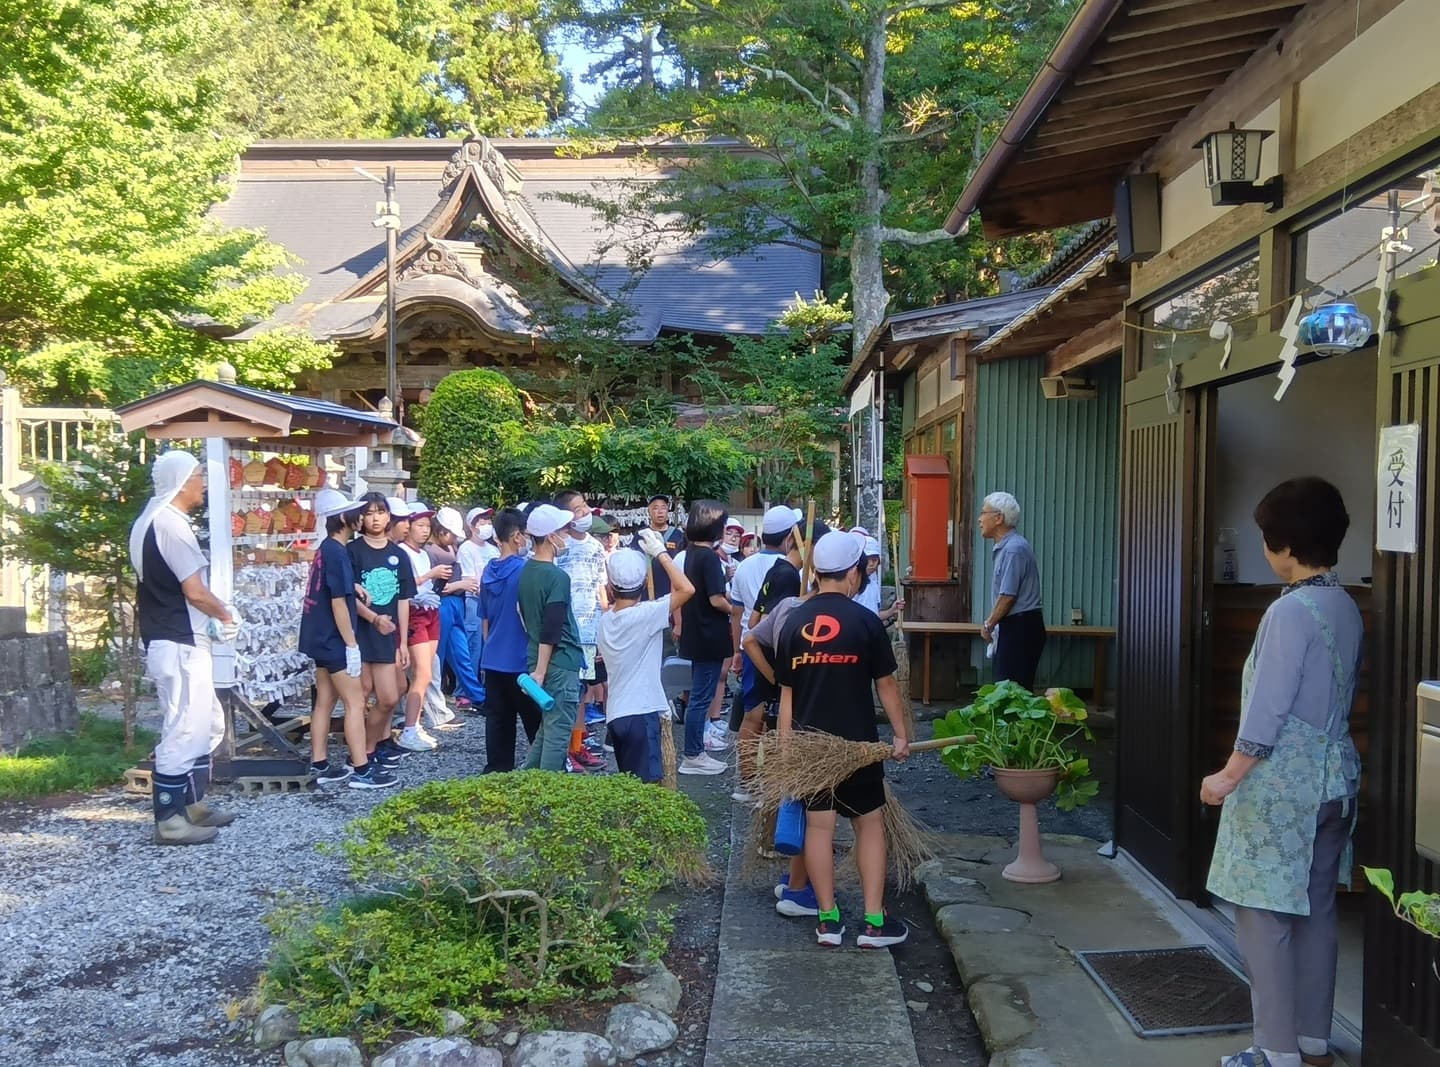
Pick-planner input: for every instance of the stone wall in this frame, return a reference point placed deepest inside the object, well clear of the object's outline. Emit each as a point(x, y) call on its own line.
point(36, 697)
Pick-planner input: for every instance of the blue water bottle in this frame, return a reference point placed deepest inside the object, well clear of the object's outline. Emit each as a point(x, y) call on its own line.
point(790, 828)
point(532, 689)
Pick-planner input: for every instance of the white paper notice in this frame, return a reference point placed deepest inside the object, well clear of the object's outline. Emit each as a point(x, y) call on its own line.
point(1397, 489)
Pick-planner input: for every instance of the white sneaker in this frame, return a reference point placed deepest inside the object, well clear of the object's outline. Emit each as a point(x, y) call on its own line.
point(411, 738)
point(742, 796)
point(701, 764)
point(426, 735)
point(717, 740)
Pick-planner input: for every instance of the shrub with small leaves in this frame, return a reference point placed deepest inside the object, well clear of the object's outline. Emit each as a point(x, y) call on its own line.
point(509, 890)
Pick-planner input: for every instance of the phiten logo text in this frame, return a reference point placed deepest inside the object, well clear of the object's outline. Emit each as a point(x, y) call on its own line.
point(824, 628)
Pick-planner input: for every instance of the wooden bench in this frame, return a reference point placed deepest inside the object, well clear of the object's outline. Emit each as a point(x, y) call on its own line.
point(1098, 634)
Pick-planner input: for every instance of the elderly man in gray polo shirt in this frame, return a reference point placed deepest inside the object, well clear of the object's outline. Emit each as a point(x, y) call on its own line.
point(1015, 625)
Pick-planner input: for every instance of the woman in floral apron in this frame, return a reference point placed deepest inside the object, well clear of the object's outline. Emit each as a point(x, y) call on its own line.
point(1288, 790)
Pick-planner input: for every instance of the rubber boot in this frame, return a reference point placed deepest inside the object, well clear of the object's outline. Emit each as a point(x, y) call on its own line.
point(197, 784)
point(171, 825)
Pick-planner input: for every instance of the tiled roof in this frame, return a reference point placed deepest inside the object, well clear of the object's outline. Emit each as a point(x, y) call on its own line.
point(324, 218)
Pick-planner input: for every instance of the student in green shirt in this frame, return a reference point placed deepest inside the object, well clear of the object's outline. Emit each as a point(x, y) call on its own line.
point(554, 657)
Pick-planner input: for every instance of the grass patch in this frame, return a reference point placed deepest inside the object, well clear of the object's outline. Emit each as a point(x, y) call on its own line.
point(92, 756)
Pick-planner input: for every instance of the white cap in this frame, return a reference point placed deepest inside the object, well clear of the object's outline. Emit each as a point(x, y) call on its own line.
point(836, 552)
point(778, 520)
point(860, 535)
point(475, 513)
point(799, 515)
point(450, 520)
point(860, 530)
point(872, 546)
point(399, 509)
point(627, 569)
point(547, 519)
point(330, 502)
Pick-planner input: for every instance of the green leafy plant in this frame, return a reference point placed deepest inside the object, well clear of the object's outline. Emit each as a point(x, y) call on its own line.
point(498, 892)
point(1420, 910)
point(95, 755)
point(1017, 730)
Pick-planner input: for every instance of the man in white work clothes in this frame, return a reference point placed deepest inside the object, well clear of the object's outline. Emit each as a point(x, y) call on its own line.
point(179, 617)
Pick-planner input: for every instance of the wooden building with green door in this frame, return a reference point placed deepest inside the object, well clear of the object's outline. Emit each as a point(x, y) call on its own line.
point(1220, 400)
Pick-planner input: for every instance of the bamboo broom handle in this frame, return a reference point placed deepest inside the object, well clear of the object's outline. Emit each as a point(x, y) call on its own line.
point(943, 742)
point(809, 572)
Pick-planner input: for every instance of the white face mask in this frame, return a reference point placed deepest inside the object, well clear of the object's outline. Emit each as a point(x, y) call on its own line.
point(485, 531)
point(583, 525)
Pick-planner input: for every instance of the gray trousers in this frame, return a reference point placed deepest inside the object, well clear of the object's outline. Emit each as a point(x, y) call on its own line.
point(1291, 959)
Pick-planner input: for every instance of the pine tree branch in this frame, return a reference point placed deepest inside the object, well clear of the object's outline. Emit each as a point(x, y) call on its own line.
point(830, 87)
point(916, 5)
point(915, 238)
point(918, 135)
point(775, 72)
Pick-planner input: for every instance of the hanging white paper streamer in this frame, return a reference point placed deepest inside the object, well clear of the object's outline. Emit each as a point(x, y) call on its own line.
point(1288, 353)
point(1223, 331)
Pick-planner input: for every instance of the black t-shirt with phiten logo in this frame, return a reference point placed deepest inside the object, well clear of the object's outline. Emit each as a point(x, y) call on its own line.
point(830, 652)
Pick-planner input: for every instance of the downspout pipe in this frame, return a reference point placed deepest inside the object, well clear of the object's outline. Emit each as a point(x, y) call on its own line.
point(1065, 58)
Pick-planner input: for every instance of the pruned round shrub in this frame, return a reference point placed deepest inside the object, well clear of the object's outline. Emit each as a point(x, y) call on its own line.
point(507, 890)
point(462, 459)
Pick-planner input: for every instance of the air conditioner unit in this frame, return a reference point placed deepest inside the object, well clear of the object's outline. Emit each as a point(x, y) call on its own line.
point(1067, 387)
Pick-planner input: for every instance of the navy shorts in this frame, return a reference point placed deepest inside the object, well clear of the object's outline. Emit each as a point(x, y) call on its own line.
point(636, 739)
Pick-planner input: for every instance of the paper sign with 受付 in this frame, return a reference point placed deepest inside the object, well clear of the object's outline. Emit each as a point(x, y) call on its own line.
point(1397, 489)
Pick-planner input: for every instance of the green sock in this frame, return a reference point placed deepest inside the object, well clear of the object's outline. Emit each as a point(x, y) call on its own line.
point(831, 916)
point(875, 919)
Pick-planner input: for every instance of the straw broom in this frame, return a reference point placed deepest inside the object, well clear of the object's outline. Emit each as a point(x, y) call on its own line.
point(812, 762)
point(669, 758)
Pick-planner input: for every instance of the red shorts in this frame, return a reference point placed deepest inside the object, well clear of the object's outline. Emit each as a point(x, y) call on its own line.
point(424, 626)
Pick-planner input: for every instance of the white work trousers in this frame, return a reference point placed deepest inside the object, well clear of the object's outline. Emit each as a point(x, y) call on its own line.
point(194, 724)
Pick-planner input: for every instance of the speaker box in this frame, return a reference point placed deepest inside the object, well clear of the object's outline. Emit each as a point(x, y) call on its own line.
point(1137, 217)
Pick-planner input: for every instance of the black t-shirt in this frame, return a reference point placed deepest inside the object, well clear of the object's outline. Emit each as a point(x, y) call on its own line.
point(674, 544)
point(332, 577)
point(830, 652)
point(704, 632)
point(386, 575)
point(781, 581)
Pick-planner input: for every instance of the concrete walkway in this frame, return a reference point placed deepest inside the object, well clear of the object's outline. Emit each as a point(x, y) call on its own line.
point(783, 1001)
point(1013, 946)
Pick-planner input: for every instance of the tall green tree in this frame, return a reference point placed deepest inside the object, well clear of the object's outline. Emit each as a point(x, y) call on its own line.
point(384, 68)
point(865, 118)
point(108, 165)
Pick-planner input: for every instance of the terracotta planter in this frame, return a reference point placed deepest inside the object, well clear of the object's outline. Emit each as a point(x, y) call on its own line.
point(1028, 788)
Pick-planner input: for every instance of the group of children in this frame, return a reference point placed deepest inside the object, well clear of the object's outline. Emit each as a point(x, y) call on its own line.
point(398, 591)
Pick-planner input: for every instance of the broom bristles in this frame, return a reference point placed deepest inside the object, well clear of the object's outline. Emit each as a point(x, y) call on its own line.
point(808, 763)
point(669, 759)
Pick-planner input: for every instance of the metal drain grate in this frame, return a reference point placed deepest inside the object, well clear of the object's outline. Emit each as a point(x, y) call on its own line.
point(1165, 992)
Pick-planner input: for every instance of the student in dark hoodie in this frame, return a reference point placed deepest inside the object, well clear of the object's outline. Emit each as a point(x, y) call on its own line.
point(505, 645)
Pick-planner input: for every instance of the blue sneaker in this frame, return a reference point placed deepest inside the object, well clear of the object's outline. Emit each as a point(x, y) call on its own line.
point(594, 713)
point(782, 885)
point(794, 904)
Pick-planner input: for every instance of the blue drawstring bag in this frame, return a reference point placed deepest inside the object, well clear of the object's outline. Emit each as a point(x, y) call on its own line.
point(790, 828)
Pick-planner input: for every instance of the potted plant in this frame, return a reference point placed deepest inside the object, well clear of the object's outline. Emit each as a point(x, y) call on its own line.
point(1027, 742)
point(1420, 910)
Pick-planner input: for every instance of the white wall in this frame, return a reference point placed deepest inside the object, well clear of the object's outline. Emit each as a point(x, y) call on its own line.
point(1324, 426)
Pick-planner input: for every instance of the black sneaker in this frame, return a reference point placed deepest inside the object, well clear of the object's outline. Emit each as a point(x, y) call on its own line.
point(893, 932)
point(387, 758)
point(829, 932)
point(328, 773)
point(374, 776)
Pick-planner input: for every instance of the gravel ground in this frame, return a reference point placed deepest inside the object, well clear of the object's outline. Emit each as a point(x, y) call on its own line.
point(118, 952)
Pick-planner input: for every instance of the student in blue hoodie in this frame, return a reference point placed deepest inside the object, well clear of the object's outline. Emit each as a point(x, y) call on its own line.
point(505, 646)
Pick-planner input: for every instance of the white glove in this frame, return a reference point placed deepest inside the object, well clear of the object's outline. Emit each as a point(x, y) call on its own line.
point(352, 660)
point(224, 632)
point(651, 543)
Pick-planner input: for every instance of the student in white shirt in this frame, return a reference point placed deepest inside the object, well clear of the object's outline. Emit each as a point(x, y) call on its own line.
point(630, 638)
